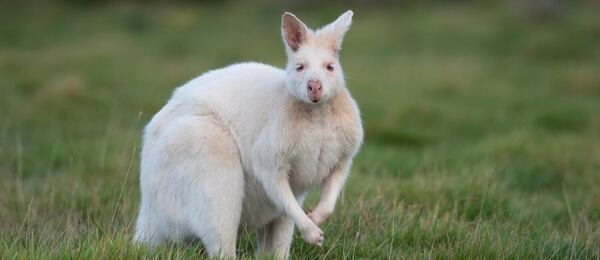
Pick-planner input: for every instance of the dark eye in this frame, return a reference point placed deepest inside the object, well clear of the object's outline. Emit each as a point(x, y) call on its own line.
point(299, 67)
point(330, 67)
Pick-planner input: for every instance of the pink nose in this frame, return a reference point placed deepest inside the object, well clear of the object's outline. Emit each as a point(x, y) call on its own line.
point(315, 90)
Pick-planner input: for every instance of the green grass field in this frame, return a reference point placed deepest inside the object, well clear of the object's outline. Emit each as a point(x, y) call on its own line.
point(482, 126)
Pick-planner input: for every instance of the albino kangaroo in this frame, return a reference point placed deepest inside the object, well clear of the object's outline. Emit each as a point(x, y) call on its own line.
point(240, 147)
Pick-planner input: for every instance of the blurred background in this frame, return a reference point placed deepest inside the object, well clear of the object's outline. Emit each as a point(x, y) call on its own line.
point(482, 121)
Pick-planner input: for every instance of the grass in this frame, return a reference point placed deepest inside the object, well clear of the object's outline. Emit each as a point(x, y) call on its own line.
point(483, 131)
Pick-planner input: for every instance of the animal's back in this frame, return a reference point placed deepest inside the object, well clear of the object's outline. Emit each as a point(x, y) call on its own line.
point(233, 94)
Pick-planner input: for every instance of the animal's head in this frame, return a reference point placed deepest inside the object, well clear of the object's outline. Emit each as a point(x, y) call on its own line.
point(314, 73)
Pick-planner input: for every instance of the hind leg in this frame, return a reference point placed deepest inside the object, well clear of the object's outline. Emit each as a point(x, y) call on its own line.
point(216, 217)
point(276, 238)
point(211, 179)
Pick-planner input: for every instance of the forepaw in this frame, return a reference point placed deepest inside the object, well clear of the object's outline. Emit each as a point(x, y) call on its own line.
point(313, 235)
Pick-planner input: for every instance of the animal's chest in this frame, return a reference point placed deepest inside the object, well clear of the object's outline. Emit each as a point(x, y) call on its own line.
point(316, 154)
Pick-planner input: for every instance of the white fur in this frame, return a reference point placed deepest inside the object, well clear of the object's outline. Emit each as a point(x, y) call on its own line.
point(239, 148)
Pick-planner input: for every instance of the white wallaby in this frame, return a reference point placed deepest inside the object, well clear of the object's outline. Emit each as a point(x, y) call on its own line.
point(239, 148)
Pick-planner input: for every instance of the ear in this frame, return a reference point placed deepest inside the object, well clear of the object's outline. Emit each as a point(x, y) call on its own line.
point(294, 31)
point(336, 30)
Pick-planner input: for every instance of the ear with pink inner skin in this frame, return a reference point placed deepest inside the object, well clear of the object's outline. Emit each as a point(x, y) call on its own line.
point(294, 31)
point(335, 31)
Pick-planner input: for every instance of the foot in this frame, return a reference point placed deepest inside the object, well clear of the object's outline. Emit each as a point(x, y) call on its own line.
point(313, 235)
